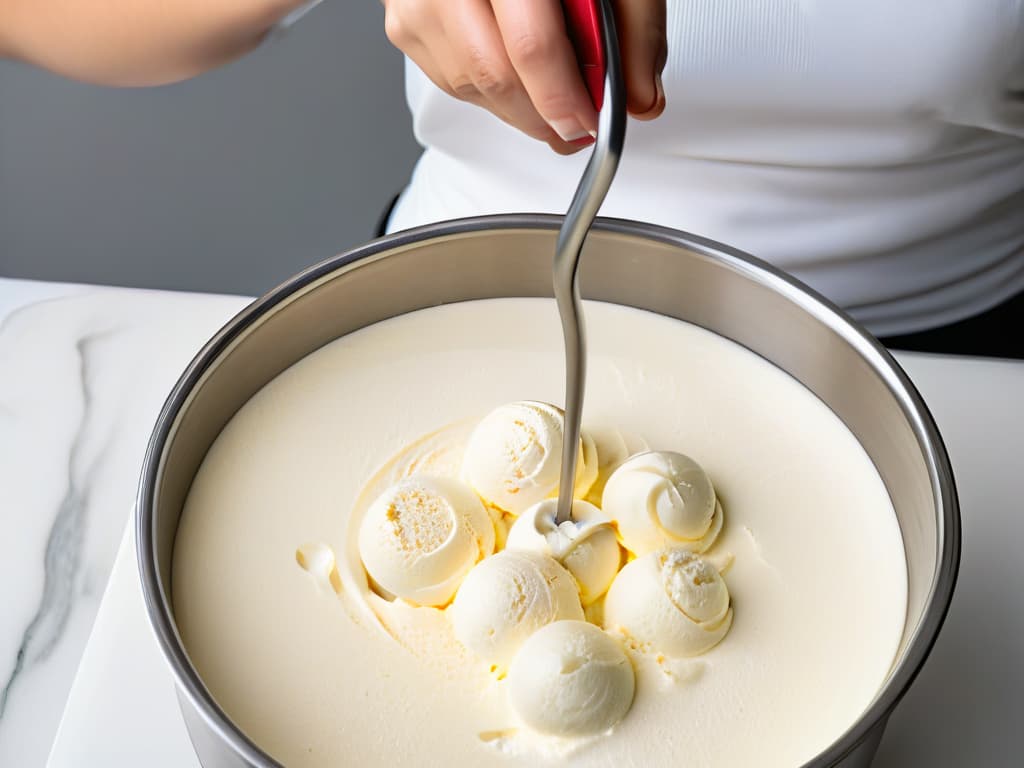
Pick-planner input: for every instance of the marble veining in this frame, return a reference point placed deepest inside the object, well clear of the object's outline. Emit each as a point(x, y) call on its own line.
point(63, 548)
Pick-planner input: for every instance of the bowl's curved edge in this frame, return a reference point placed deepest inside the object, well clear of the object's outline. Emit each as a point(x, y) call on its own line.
point(941, 475)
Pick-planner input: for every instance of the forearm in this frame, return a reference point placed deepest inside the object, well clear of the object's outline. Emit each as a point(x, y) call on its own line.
point(134, 42)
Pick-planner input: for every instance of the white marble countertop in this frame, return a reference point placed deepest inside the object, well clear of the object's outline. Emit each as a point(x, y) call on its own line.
point(83, 372)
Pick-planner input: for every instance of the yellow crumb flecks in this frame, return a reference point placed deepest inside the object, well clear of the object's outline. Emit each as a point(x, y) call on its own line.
point(420, 521)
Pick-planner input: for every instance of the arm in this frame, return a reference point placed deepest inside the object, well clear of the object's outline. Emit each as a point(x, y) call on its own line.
point(134, 42)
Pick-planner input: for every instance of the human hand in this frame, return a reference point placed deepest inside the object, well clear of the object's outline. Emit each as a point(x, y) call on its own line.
point(514, 58)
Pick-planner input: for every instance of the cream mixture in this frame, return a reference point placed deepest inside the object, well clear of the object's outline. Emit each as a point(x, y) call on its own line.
point(318, 669)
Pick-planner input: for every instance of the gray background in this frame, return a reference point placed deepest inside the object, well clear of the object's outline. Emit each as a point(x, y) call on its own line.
point(229, 182)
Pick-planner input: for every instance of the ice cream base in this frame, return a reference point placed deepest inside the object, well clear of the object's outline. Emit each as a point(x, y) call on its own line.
point(302, 663)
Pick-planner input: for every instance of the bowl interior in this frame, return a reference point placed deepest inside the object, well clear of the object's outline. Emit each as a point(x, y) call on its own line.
point(664, 271)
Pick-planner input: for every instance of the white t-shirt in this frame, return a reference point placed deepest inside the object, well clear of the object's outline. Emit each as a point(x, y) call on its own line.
point(872, 148)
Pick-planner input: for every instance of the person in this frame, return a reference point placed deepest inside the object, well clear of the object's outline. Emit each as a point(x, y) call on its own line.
point(873, 150)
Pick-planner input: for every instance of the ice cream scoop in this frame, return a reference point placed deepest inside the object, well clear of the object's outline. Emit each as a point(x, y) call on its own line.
point(506, 598)
point(591, 27)
point(586, 545)
point(662, 498)
point(422, 536)
point(671, 601)
point(571, 679)
point(513, 457)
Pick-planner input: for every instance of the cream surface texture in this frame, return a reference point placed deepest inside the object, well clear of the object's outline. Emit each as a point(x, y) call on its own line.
point(320, 671)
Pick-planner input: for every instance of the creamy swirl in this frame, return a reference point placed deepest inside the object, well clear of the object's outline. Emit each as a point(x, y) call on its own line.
point(662, 498)
point(571, 679)
point(586, 545)
point(671, 601)
point(514, 456)
point(421, 537)
point(506, 598)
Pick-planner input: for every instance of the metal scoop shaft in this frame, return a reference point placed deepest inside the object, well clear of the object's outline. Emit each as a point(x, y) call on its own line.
point(593, 187)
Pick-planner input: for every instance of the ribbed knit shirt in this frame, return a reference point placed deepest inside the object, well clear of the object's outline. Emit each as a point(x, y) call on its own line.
point(872, 148)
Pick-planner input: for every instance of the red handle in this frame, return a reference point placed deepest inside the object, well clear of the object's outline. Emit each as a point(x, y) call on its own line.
point(583, 23)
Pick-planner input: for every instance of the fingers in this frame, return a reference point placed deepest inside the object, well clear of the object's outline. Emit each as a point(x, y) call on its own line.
point(511, 57)
point(459, 47)
point(533, 32)
point(641, 28)
point(480, 70)
point(414, 30)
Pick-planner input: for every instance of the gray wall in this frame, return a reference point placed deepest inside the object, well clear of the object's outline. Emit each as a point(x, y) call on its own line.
point(230, 182)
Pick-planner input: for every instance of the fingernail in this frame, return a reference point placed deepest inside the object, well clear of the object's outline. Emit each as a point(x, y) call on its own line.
point(568, 129)
point(658, 104)
point(593, 134)
point(586, 141)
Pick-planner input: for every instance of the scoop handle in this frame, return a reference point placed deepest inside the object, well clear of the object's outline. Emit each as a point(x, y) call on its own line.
point(583, 24)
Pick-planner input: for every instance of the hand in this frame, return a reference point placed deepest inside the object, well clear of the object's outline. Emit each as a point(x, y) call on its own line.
point(513, 57)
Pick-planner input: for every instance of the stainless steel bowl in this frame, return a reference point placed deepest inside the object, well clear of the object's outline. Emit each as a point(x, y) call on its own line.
point(662, 270)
